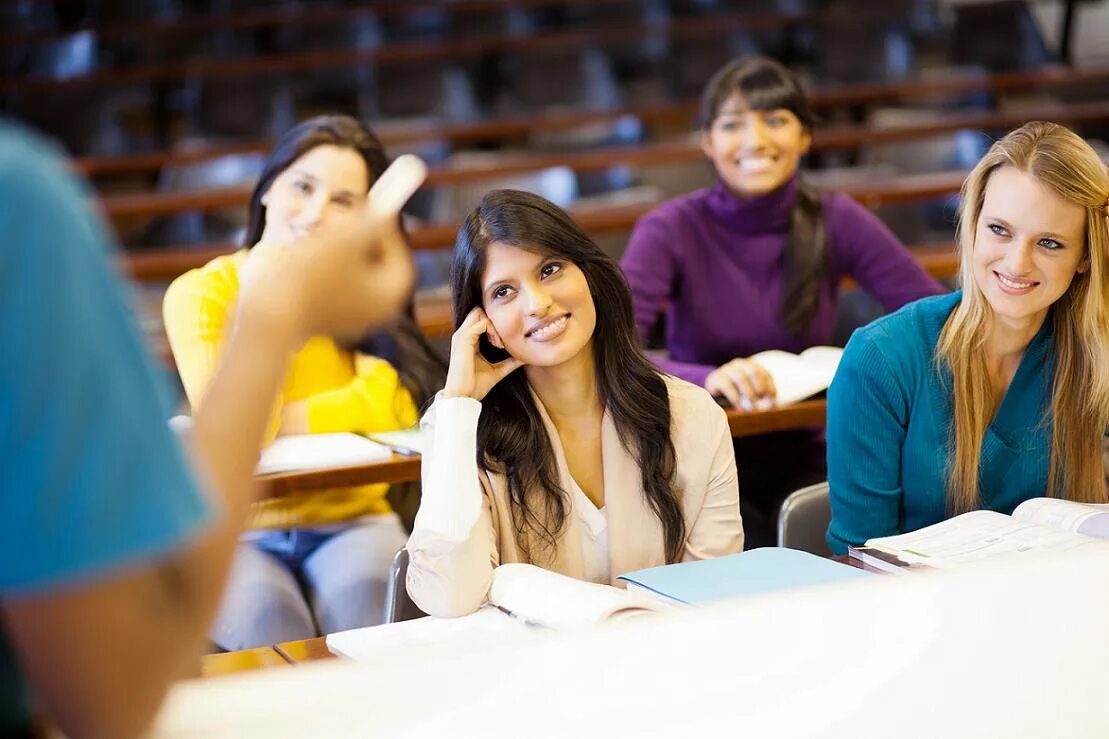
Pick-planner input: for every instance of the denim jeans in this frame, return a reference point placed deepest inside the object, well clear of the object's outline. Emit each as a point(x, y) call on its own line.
point(299, 583)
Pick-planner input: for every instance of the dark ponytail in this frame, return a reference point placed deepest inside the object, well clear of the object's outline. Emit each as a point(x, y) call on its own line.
point(806, 260)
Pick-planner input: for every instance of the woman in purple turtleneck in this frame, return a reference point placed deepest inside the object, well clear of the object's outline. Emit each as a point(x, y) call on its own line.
point(755, 262)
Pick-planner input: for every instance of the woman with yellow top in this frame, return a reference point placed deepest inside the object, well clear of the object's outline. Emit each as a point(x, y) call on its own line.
point(312, 563)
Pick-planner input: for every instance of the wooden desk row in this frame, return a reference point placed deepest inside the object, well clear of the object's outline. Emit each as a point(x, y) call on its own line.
point(806, 414)
point(256, 19)
point(243, 660)
point(872, 193)
point(714, 25)
point(304, 650)
point(434, 314)
point(165, 264)
point(155, 265)
point(279, 655)
point(682, 113)
point(830, 139)
point(708, 25)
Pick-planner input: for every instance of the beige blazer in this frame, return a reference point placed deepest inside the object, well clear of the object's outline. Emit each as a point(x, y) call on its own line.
point(464, 528)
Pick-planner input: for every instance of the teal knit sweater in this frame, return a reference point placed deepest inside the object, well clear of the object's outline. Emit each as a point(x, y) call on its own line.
point(889, 420)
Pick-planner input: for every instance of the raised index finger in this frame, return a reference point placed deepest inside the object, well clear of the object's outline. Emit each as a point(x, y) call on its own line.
point(395, 186)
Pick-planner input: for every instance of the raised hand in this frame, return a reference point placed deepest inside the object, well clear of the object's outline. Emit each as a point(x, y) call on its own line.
point(470, 374)
point(744, 383)
point(347, 277)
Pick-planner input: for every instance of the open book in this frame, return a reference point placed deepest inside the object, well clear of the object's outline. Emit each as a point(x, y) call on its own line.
point(799, 376)
point(556, 601)
point(524, 601)
point(303, 452)
point(1037, 525)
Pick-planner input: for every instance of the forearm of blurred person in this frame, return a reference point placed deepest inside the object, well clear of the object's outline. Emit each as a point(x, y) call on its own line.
point(101, 646)
point(102, 654)
point(335, 283)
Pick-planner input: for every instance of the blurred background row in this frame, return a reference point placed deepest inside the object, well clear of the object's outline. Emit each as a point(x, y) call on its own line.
point(169, 106)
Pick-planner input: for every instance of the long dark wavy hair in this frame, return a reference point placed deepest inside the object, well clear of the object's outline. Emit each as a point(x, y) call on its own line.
point(403, 345)
point(765, 85)
point(511, 438)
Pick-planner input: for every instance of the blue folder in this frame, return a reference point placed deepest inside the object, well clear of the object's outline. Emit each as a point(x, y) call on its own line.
point(756, 571)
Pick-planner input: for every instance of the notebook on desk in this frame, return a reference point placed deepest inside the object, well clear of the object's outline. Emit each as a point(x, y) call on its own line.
point(378, 644)
point(403, 441)
point(523, 599)
point(305, 452)
point(752, 572)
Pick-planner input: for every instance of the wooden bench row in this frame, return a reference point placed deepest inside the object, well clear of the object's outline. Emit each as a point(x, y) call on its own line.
point(168, 263)
point(911, 187)
point(165, 264)
point(707, 26)
point(647, 155)
point(680, 113)
point(435, 315)
point(153, 31)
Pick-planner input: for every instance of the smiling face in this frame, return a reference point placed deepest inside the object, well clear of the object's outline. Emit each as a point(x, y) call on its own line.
point(325, 182)
point(540, 306)
point(754, 151)
point(1029, 244)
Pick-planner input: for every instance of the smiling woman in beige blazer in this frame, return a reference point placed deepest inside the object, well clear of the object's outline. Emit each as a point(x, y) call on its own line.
point(589, 461)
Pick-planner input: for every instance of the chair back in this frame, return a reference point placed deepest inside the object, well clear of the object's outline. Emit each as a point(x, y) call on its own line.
point(1014, 42)
point(803, 520)
point(398, 605)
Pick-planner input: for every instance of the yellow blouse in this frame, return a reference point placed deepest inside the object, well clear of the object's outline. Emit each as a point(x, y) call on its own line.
point(344, 391)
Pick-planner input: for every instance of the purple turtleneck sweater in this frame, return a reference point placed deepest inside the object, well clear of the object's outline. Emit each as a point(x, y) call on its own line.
point(717, 262)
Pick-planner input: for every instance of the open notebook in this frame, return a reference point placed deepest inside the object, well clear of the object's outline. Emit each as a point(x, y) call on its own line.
point(799, 376)
point(524, 600)
point(1037, 525)
point(304, 452)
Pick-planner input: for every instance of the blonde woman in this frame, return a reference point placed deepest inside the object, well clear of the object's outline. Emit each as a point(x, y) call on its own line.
point(998, 393)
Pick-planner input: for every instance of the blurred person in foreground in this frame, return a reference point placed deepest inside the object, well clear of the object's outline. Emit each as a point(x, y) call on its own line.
point(122, 553)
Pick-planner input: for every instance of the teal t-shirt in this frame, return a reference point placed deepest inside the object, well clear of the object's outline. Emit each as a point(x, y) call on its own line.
point(889, 420)
point(93, 477)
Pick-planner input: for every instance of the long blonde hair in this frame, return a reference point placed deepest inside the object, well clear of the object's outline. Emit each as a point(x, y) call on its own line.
point(1060, 160)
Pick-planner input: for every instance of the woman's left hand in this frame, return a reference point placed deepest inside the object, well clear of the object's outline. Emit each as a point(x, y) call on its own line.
point(744, 383)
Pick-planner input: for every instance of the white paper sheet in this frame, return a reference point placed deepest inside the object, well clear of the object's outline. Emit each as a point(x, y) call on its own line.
point(304, 452)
